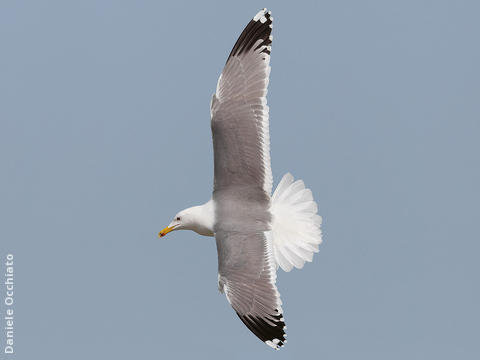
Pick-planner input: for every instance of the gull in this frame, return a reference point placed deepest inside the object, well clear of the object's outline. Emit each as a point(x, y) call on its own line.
point(256, 232)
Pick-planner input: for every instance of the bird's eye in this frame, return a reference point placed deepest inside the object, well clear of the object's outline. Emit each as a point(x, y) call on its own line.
point(178, 218)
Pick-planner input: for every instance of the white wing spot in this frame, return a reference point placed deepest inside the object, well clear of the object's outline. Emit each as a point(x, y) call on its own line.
point(271, 344)
point(259, 15)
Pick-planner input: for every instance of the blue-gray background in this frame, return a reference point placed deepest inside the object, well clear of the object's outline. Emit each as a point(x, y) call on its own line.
point(105, 135)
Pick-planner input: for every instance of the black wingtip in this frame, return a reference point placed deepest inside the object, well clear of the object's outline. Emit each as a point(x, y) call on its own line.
point(259, 28)
point(270, 330)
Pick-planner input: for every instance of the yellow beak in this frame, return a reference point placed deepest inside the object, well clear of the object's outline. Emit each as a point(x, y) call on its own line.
point(165, 231)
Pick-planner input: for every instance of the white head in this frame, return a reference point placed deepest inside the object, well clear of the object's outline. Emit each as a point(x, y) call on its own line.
point(197, 218)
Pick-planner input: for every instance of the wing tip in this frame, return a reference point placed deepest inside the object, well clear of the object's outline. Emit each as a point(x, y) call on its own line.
point(259, 28)
point(270, 330)
point(262, 15)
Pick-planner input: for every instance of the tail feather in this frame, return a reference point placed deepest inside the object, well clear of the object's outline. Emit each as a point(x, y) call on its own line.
point(296, 225)
point(282, 186)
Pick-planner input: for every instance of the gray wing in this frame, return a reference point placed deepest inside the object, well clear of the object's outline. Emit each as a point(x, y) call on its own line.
point(239, 111)
point(247, 277)
point(243, 182)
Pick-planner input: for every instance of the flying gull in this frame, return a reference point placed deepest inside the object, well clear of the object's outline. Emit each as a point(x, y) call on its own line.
point(255, 232)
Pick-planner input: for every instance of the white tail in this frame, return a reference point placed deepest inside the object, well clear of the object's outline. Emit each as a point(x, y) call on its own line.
point(296, 225)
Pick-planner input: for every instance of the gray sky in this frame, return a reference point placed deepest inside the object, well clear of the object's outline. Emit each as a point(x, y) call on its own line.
point(105, 135)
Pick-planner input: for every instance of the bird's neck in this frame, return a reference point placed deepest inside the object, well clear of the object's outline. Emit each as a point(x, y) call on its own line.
point(204, 216)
